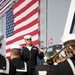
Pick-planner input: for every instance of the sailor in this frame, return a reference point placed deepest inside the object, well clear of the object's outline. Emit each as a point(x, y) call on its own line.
point(67, 67)
point(6, 68)
point(31, 53)
point(21, 66)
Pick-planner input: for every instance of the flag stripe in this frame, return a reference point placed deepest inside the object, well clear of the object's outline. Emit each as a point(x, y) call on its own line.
point(26, 8)
point(20, 4)
point(26, 17)
point(26, 26)
point(23, 14)
point(29, 20)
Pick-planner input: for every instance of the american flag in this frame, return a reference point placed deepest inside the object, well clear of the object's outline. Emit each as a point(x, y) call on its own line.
point(4, 5)
point(22, 19)
point(1, 1)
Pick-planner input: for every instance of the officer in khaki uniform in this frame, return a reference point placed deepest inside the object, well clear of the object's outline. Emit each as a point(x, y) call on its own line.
point(6, 68)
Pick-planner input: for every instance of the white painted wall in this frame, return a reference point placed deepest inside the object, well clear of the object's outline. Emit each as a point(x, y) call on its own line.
point(53, 16)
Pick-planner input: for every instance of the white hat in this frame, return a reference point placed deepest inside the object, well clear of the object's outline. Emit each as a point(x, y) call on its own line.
point(14, 46)
point(1, 36)
point(27, 36)
point(68, 38)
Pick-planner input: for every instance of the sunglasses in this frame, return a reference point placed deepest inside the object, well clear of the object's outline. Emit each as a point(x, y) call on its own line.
point(28, 39)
